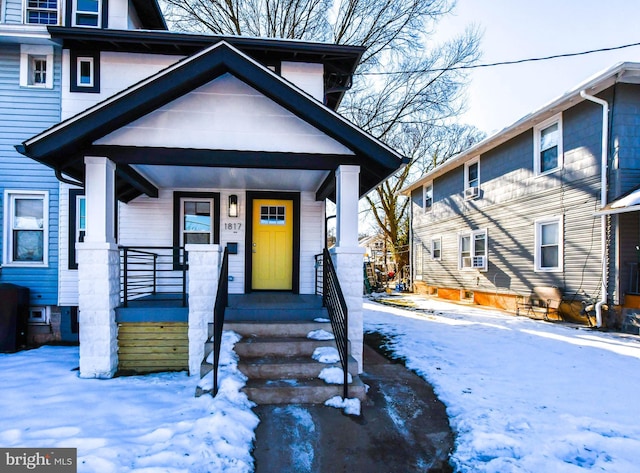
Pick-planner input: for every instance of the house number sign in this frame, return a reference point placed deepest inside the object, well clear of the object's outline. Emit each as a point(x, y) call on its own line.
point(233, 227)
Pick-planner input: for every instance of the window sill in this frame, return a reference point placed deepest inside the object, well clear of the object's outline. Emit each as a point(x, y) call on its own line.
point(25, 265)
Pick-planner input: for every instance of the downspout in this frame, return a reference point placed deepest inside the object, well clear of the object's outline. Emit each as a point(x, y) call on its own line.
point(603, 201)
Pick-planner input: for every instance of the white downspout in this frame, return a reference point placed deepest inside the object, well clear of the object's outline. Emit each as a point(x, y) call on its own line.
point(603, 200)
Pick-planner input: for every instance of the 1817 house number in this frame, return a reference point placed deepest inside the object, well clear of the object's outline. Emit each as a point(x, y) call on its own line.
point(232, 226)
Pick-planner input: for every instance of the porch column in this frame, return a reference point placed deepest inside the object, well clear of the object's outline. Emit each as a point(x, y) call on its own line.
point(347, 255)
point(99, 274)
point(204, 269)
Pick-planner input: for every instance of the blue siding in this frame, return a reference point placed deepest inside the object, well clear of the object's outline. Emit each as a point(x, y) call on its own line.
point(12, 11)
point(25, 112)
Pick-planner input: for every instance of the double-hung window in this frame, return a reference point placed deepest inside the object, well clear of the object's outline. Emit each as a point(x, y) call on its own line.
point(41, 12)
point(472, 179)
point(427, 196)
point(26, 232)
point(436, 248)
point(549, 244)
point(472, 250)
point(86, 12)
point(548, 151)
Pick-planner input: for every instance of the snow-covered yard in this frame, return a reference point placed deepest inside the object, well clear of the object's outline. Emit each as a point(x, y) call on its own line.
point(143, 424)
point(523, 395)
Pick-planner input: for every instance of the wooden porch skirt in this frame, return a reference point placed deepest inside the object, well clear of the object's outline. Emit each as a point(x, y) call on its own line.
point(147, 347)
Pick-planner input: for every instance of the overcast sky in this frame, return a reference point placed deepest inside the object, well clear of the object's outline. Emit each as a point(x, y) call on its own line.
point(516, 29)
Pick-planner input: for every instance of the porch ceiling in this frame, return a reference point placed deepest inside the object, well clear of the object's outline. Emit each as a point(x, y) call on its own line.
point(233, 178)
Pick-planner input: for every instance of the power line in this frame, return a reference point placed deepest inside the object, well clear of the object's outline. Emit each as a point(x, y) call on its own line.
point(503, 63)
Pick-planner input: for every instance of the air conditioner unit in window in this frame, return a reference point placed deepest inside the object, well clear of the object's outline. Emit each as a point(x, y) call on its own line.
point(478, 262)
point(466, 261)
point(471, 193)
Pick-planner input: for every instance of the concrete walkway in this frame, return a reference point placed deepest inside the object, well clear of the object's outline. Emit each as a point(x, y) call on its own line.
point(403, 428)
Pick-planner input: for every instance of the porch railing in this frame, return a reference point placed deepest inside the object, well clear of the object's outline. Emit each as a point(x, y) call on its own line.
point(333, 300)
point(150, 272)
point(222, 301)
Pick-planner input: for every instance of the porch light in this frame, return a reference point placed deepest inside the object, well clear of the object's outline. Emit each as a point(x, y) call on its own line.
point(233, 205)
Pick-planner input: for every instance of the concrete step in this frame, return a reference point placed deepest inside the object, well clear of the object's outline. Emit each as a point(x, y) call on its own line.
point(299, 391)
point(299, 367)
point(275, 314)
point(254, 347)
point(269, 329)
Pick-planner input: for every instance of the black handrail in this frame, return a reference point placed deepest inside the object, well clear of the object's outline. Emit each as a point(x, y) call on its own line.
point(222, 300)
point(149, 271)
point(333, 300)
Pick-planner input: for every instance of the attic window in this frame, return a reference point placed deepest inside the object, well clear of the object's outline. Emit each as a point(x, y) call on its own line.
point(85, 72)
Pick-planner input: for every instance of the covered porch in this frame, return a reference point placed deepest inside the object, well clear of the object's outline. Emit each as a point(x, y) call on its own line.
point(217, 152)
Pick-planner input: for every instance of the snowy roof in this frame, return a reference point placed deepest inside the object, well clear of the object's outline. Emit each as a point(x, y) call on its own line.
point(626, 72)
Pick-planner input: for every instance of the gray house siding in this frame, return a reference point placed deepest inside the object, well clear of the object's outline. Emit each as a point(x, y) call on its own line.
point(511, 199)
point(25, 112)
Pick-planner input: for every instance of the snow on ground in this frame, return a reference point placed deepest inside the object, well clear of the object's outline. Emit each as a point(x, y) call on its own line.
point(523, 395)
point(139, 424)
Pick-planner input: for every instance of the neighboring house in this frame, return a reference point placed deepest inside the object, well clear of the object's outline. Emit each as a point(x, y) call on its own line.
point(524, 208)
point(190, 144)
point(31, 102)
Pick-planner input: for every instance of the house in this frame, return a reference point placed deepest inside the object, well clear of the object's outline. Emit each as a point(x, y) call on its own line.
point(31, 102)
point(190, 145)
point(533, 206)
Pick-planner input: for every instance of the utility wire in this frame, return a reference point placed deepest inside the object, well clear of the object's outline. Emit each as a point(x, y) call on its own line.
point(501, 63)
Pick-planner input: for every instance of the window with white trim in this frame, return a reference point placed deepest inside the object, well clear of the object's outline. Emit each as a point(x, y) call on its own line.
point(436, 248)
point(472, 250)
point(86, 12)
point(85, 72)
point(36, 66)
point(548, 151)
point(41, 12)
point(549, 244)
point(26, 231)
point(77, 223)
point(418, 261)
point(472, 179)
point(427, 196)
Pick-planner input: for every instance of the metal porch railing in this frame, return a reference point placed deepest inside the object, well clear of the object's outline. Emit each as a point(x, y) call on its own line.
point(222, 301)
point(156, 273)
point(333, 300)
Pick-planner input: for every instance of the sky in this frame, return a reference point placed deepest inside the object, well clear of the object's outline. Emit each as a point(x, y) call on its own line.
point(517, 29)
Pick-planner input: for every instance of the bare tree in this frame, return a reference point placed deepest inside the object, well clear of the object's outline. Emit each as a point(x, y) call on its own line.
point(407, 90)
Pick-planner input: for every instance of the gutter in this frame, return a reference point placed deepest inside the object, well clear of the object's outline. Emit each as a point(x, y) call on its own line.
point(603, 200)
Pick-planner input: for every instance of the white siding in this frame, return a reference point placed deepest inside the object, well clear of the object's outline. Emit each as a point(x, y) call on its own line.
point(226, 114)
point(311, 239)
point(307, 76)
point(68, 278)
point(118, 71)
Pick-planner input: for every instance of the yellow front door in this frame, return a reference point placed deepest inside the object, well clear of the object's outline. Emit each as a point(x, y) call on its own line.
point(272, 246)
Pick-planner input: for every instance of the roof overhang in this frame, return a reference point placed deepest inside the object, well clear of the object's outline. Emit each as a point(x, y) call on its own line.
point(340, 61)
point(627, 202)
point(64, 146)
point(620, 73)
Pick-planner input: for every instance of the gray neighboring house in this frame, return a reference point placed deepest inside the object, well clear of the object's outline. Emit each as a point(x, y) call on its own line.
point(546, 202)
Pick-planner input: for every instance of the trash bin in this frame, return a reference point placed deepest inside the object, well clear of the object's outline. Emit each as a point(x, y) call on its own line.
point(14, 314)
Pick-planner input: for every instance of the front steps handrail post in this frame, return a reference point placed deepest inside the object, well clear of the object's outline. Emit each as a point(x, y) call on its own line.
point(338, 314)
point(222, 300)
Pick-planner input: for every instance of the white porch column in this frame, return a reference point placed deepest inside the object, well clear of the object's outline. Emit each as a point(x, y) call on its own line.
point(204, 269)
point(99, 274)
point(347, 255)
